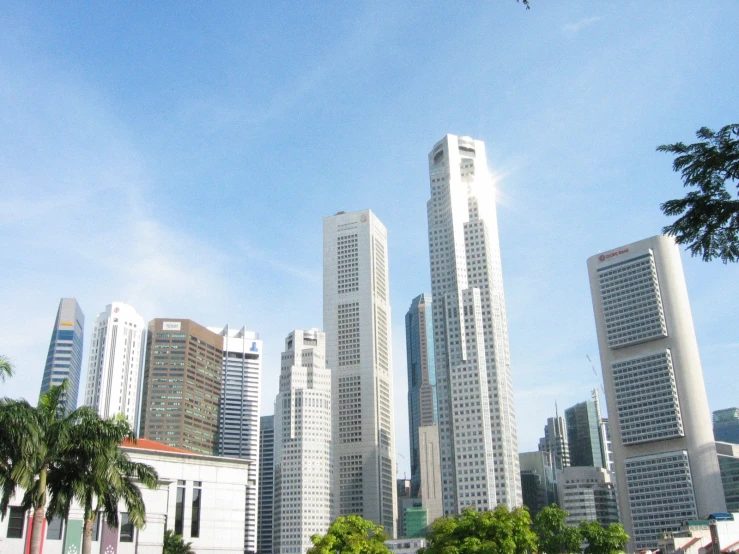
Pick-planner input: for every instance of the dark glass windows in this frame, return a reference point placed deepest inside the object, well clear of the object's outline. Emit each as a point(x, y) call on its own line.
point(195, 525)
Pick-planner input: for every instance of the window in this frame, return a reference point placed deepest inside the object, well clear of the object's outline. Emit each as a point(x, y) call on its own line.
point(179, 512)
point(15, 522)
point(126, 528)
point(54, 530)
point(195, 526)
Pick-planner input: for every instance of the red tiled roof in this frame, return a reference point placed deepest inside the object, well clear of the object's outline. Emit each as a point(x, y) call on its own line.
point(146, 444)
point(731, 547)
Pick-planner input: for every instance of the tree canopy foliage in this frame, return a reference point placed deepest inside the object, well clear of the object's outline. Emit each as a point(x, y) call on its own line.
point(603, 540)
point(554, 536)
point(351, 535)
point(708, 221)
point(6, 367)
point(498, 532)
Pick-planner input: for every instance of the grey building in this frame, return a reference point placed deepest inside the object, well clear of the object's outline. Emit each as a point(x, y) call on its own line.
point(584, 435)
point(726, 425)
point(555, 442)
point(665, 456)
point(430, 465)
point(64, 359)
point(538, 481)
point(728, 461)
point(266, 483)
point(419, 346)
point(588, 494)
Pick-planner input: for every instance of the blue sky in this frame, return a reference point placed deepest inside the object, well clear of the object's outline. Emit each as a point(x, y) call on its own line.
point(180, 157)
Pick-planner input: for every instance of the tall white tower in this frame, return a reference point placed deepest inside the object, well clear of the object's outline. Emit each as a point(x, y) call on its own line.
point(116, 362)
point(302, 452)
point(238, 413)
point(356, 318)
point(477, 422)
point(665, 457)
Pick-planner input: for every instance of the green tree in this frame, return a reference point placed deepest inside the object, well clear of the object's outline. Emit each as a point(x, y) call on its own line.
point(351, 535)
point(175, 544)
point(708, 221)
point(603, 540)
point(555, 537)
point(498, 532)
point(6, 368)
point(96, 473)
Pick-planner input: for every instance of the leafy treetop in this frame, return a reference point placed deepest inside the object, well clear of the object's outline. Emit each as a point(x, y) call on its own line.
point(351, 535)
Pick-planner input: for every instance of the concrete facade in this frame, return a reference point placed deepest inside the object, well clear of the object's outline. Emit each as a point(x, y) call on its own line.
point(665, 457)
point(265, 507)
point(588, 494)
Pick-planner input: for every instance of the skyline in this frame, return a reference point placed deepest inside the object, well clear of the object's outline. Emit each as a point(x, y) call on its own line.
point(181, 160)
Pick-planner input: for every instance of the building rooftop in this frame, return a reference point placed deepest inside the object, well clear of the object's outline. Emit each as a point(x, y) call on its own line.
point(146, 444)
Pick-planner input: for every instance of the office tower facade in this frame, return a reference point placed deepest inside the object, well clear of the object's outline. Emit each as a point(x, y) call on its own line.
point(419, 346)
point(430, 464)
point(665, 457)
point(356, 317)
point(302, 457)
point(538, 481)
point(266, 483)
point(588, 494)
point(477, 424)
point(64, 360)
point(726, 425)
point(115, 362)
point(238, 412)
point(728, 461)
point(584, 435)
point(606, 432)
point(181, 385)
point(555, 442)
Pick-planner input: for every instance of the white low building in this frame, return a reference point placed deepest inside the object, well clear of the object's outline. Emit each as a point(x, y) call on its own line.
point(200, 497)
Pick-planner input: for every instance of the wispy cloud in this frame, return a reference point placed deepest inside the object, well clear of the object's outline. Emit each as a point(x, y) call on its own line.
point(571, 29)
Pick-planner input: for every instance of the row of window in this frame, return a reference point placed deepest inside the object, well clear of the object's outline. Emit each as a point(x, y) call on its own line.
point(55, 528)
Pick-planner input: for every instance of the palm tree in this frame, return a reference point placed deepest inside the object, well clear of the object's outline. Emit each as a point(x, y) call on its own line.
point(6, 367)
point(96, 473)
point(175, 544)
point(31, 440)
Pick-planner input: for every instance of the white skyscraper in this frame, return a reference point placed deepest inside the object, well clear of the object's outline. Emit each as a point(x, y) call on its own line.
point(302, 451)
point(116, 360)
point(238, 412)
point(356, 318)
point(660, 423)
point(477, 423)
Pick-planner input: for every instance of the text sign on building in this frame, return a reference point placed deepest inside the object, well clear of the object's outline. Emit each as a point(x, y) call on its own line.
point(171, 325)
point(604, 257)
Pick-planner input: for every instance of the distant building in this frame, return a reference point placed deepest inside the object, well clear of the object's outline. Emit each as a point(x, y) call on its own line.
point(115, 363)
point(422, 408)
point(430, 465)
point(726, 425)
point(555, 443)
point(266, 483)
point(538, 481)
point(302, 489)
point(588, 494)
point(238, 412)
point(584, 434)
point(728, 462)
point(64, 360)
point(357, 321)
point(182, 385)
point(405, 546)
point(660, 422)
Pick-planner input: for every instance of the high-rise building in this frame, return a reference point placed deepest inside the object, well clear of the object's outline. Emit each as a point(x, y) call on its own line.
point(182, 385)
point(64, 360)
point(238, 412)
point(302, 489)
point(665, 457)
point(728, 461)
point(555, 442)
point(584, 439)
point(588, 494)
point(538, 481)
point(726, 425)
point(266, 483)
point(419, 346)
point(606, 432)
point(115, 362)
point(477, 424)
point(430, 465)
point(356, 317)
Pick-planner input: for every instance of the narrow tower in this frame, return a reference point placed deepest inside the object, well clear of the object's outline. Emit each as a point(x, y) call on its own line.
point(665, 457)
point(356, 317)
point(302, 455)
point(115, 362)
point(64, 360)
point(477, 424)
